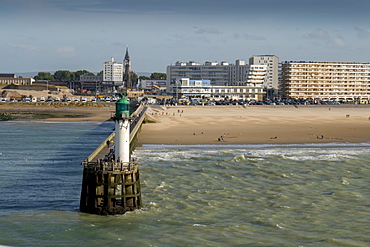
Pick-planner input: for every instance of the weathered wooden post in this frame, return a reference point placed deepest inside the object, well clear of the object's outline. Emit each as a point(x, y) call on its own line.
point(113, 186)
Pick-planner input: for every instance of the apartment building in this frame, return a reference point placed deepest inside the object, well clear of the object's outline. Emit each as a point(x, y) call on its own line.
point(112, 72)
point(217, 73)
point(272, 69)
point(325, 80)
point(257, 75)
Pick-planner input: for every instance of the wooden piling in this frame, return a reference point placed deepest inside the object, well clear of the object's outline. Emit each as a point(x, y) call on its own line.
point(110, 188)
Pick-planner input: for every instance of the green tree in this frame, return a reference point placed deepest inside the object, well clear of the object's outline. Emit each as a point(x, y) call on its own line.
point(133, 77)
point(76, 75)
point(143, 77)
point(63, 75)
point(44, 76)
point(158, 76)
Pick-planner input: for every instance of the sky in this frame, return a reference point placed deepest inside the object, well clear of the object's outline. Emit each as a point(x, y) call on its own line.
point(50, 35)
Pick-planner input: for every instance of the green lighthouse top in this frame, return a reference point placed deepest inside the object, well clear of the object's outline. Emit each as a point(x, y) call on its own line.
point(122, 107)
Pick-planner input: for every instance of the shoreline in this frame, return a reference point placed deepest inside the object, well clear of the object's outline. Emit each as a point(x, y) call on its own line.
point(237, 125)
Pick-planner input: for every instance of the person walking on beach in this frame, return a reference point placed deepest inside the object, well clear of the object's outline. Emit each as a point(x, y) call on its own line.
point(108, 143)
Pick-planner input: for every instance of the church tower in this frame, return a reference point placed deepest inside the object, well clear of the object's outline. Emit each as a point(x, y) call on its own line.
point(127, 65)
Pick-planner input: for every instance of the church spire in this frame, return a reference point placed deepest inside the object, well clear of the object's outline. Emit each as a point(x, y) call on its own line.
point(127, 65)
point(127, 56)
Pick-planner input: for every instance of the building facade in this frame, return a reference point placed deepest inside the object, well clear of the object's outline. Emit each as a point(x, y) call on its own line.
point(91, 82)
point(325, 80)
point(257, 75)
point(13, 79)
point(272, 71)
point(91, 78)
point(152, 85)
point(112, 72)
point(202, 89)
point(217, 73)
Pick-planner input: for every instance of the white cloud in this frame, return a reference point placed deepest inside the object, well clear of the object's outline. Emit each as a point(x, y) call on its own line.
point(253, 37)
point(66, 51)
point(206, 30)
point(337, 42)
point(362, 32)
point(317, 34)
point(246, 36)
point(26, 47)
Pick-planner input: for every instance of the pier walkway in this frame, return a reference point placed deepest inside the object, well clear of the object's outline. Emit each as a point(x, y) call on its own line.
point(136, 120)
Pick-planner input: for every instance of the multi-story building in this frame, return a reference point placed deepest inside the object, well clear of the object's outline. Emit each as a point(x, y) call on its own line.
point(91, 78)
point(218, 73)
point(257, 75)
point(91, 82)
point(325, 80)
point(203, 89)
point(272, 68)
point(112, 72)
point(13, 79)
point(149, 85)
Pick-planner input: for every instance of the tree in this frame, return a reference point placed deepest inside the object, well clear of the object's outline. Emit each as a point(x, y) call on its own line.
point(44, 76)
point(143, 77)
point(76, 75)
point(158, 76)
point(63, 75)
point(133, 77)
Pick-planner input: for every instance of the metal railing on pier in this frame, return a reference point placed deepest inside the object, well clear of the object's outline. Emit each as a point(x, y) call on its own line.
point(111, 166)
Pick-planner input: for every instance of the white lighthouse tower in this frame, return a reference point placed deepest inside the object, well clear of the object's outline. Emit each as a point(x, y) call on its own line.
point(122, 126)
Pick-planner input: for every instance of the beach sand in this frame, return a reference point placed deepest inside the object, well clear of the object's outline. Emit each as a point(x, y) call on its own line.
point(188, 125)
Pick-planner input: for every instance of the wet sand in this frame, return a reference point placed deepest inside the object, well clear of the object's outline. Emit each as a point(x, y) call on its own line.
point(188, 125)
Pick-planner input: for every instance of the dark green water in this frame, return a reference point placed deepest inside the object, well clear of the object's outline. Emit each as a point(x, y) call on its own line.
point(258, 195)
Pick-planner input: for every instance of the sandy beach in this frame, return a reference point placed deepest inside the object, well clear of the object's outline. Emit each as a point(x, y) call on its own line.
point(188, 125)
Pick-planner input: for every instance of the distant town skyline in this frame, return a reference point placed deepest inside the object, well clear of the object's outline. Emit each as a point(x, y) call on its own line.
point(50, 35)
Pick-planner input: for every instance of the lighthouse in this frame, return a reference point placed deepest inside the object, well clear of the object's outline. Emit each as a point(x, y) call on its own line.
point(122, 127)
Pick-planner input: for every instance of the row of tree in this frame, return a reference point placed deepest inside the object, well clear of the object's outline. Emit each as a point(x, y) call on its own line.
point(66, 75)
point(154, 76)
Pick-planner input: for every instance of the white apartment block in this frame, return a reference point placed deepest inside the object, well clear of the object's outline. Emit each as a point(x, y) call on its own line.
point(272, 69)
point(257, 75)
point(218, 73)
point(325, 80)
point(112, 72)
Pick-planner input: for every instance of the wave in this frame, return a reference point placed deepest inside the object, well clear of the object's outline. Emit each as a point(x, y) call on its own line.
point(258, 146)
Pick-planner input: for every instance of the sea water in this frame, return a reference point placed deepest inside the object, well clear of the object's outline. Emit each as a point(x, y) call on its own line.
point(201, 195)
